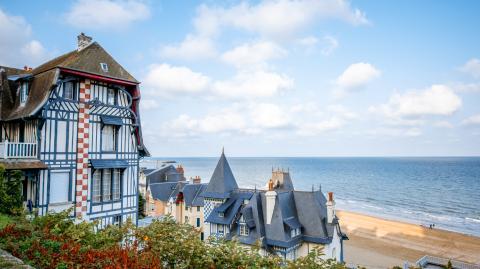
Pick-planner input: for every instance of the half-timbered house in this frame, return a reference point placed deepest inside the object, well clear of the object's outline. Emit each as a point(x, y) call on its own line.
point(72, 126)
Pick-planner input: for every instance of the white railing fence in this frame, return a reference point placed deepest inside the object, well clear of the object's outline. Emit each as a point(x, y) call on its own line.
point(18, 150)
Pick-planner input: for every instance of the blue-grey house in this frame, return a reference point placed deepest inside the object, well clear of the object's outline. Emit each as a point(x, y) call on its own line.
point(282, 220)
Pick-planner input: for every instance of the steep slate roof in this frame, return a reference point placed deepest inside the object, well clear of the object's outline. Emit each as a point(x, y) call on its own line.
point(229, 209)
point(88, 60)
point(162, 191)
point(164, 174)
point(222, 182)
point(192, 193)
point(39, 90)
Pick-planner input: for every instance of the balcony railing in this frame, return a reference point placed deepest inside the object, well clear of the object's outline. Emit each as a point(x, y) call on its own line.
point(18, 150)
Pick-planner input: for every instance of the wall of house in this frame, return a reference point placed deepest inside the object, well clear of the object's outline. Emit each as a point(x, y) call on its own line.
point(209, 205)
point(58, 149)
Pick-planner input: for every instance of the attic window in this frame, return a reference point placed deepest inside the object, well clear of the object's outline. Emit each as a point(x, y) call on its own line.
point(104, 67)
point(23, 93)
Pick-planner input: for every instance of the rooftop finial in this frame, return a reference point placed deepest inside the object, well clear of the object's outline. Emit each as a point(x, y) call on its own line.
point(223, 150)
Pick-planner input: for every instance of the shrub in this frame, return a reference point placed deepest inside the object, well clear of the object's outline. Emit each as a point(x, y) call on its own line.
point(10, 192)
point(56, 241)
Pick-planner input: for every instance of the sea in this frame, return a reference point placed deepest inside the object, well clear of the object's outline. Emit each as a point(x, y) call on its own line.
point(444, 191)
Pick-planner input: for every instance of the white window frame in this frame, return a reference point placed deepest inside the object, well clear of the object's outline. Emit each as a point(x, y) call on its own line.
point(106, 185)
point(71, 91)
point(56, 184)
point(23, 92)
point(109, 140)
point(111, 96)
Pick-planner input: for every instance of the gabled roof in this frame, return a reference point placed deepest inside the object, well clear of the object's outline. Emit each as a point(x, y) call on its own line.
point(39, 90)
point(162, 191)
point(88, 60)
point(222, 182)
point(191, 193)
point(226, 213)
point(164, 174)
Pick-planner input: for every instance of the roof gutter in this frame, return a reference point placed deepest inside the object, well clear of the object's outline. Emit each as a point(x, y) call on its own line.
point(98, 77)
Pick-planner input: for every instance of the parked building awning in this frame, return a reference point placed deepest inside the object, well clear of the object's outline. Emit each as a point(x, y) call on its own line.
point(108, 163)
point(110, 120)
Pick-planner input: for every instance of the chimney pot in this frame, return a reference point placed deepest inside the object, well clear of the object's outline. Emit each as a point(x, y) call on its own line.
point(330, 196)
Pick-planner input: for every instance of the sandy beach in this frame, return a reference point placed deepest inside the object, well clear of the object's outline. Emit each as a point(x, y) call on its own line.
point(381, 243)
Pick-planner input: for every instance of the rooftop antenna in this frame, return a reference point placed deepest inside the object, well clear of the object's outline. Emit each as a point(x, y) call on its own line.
point(312, 187)
point(223, 149)
point(255, 187)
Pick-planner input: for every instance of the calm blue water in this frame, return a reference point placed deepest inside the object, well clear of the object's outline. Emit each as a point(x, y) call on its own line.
point(443, 190)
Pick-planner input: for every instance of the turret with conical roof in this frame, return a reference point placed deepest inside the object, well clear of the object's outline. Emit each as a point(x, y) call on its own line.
point(222, 183)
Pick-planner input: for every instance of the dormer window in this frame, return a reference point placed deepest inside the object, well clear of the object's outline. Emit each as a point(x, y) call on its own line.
point(104, 67)
point(69, 90)
point(294, 232)
point(23, 93)
point(243, 228)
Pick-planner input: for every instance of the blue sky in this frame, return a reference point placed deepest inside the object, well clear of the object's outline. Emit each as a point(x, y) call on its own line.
point(279, 78)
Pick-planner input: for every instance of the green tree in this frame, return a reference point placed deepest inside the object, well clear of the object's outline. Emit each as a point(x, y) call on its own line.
point(141, 206)
point(10, 192)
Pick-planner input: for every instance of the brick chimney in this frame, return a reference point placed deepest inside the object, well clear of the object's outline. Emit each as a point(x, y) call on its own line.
point(83, 41)
point(196, 180)
point(180, 169)
point(330, 208)
point(270, 197)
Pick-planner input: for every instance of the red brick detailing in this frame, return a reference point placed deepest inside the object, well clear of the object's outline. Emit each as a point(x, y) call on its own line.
point(82, 150)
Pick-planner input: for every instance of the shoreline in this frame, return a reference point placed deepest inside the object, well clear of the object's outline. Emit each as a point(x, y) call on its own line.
point(376, 242)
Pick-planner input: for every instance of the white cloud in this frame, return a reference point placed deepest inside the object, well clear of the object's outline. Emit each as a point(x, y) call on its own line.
point(309, 41)
point(253, 84)
point(275, 18)
point(396, 132)
point(436, 100)
point(466, 87)
point(253, 54)
point(472, 120)
point(269, 116)
point(149, 104)
point(315, 128)
point(329, 44)
point(17, 48)
point(192, 47)
point(313, 120)
point(443, 124)
point(472, 67)
point(357, 75)
point(163, 79)
point(260, 118)
point(106, 14)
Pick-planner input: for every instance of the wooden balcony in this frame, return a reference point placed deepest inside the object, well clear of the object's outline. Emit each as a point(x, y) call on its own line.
point(18, 150)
